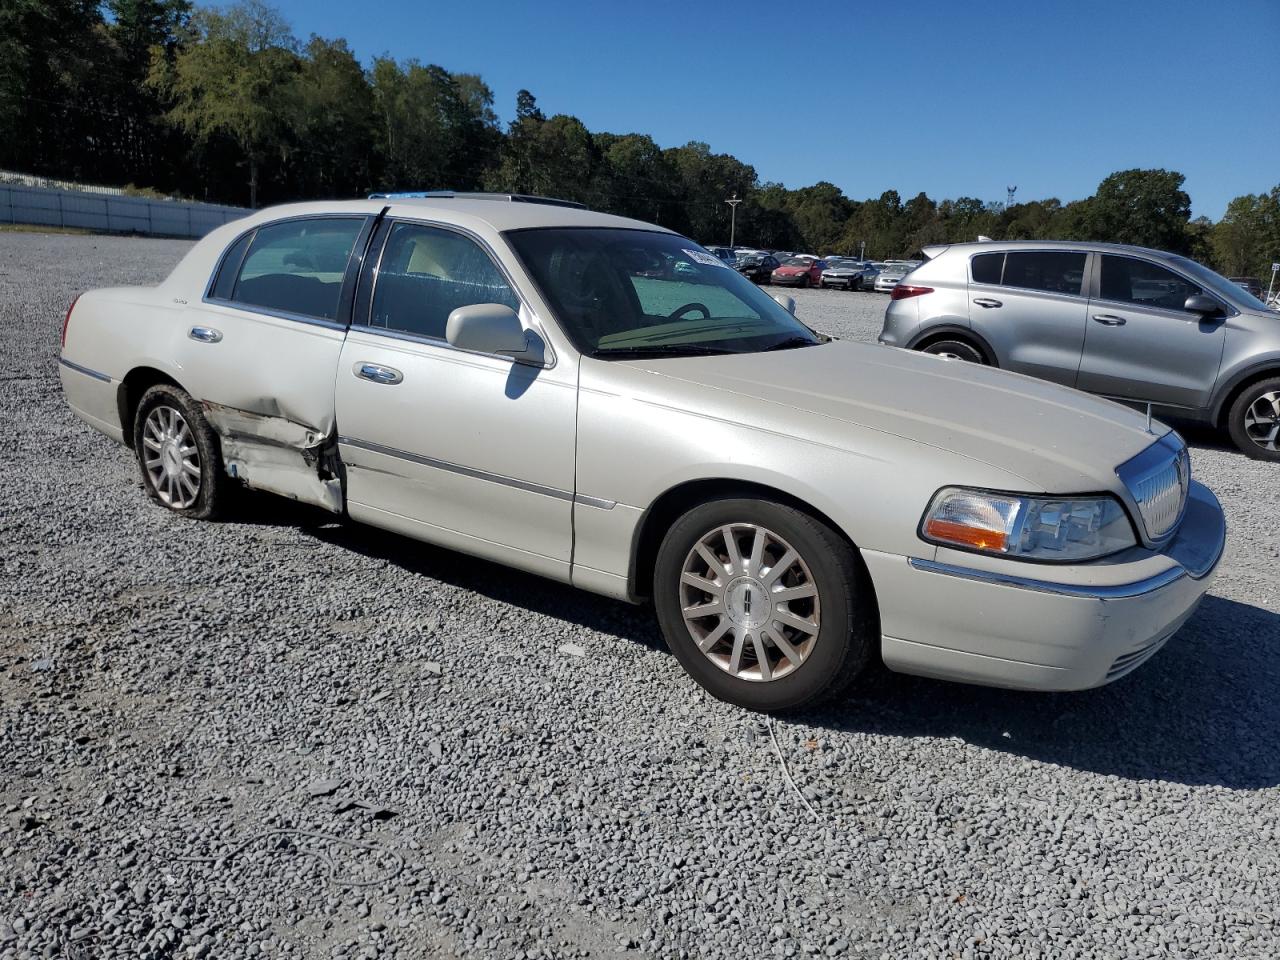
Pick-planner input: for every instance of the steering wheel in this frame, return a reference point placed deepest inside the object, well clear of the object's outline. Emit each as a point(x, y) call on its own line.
point(681, 311)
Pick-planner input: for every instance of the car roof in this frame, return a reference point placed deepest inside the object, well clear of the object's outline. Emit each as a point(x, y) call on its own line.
point(496, 213)
point(1084, 246)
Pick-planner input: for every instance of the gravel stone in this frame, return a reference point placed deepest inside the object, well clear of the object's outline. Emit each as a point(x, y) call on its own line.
point(200, 673)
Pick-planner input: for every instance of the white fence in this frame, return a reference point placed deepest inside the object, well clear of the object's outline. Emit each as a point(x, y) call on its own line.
point(111, 214)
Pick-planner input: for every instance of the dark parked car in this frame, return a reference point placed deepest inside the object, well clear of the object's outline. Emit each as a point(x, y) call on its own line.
point(1252, 284)
point(758, 269)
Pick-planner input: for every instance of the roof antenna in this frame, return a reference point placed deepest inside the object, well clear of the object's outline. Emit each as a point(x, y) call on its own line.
point(1149, 430)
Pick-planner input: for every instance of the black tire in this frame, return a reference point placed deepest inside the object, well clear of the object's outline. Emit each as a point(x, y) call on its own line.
point(848, 626)
point(960, 349)
point(1250, 433)
point(213, 485)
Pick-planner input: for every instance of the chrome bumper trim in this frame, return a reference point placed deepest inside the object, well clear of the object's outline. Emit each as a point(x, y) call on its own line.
point(1119, 591)
point(85, 370)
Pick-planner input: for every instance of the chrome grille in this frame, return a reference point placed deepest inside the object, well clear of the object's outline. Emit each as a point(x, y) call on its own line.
point(1159, 478)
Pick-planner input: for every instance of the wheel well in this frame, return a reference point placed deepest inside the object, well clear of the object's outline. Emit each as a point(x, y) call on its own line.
point(964, 337)
point(137, 382)
point(1224, 410)
point(675, 502)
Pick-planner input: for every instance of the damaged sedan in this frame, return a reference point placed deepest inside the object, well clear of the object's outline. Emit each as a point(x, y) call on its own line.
point(508, 376)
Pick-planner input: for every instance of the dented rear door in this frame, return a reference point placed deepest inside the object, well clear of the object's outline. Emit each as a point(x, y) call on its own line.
point(261, 350)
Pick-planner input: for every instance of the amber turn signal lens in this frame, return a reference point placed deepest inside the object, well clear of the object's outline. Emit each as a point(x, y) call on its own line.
point(948, 531)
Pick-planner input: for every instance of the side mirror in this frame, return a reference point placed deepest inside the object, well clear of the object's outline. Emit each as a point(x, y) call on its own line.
point(1203, 304)
point(490, 328)
point(787, 303)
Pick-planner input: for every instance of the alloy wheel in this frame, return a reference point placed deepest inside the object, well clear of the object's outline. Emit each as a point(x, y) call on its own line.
point(750, 602)
point(171, 458)
point(1262, 421)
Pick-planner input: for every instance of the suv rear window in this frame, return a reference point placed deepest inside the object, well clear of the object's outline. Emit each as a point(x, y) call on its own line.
point(987, 267)
point(1055, 271)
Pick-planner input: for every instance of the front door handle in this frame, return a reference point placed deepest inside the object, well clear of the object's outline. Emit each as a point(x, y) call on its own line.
point(988, 302)
point(205, 334)
point(1109, 319)
point(377, 373)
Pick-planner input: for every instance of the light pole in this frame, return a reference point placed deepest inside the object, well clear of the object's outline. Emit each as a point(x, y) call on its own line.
point(733, 216)
point(862, 249)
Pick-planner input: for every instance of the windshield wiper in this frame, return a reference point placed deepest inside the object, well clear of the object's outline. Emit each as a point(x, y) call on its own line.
point(792, 342)
point(658, 350)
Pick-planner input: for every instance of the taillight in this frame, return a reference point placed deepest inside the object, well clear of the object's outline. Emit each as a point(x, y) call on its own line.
point(67, 320)
point(904, 290)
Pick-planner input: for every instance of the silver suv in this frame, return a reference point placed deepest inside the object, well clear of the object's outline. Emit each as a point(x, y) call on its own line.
point(1132, 324)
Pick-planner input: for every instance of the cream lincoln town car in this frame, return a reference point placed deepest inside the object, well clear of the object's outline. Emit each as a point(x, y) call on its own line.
point(602, 402)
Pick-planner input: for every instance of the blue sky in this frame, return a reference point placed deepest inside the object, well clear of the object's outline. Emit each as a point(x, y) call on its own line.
point(953, 98)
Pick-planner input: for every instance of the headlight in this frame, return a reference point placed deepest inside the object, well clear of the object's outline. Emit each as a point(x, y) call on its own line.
point(1027, 528)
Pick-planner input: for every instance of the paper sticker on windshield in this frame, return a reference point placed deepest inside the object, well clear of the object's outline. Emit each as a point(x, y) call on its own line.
point(697, 256)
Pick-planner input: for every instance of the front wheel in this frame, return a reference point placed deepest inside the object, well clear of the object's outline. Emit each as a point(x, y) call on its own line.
point(763, 605)
point(956, 350)
point(178, 453)
point(1254, 420)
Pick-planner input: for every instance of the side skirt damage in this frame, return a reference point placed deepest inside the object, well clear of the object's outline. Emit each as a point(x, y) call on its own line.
point(278, 455)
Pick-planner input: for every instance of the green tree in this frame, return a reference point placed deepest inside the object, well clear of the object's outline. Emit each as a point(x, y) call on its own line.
point(234, 77)
point(1148, 208)
point(1246, 241)
point(333, 123)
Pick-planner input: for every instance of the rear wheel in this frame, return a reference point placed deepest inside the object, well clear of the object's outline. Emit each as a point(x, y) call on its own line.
point(763, 605)
point(955, 350)
point(178, 453)
point(1254, 420)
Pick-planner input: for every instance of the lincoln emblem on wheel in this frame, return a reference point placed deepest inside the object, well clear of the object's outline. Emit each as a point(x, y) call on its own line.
point(601, 402)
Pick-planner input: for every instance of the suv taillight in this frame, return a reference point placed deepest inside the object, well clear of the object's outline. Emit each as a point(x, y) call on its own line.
point(904, 290)
point(67, 320)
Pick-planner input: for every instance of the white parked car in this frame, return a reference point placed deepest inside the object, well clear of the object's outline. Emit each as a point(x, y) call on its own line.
point(517, 380)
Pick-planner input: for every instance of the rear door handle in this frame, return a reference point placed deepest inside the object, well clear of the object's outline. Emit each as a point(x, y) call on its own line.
point(205, 334)
point(988, 302)
point(377, 373)
point(1109, 319)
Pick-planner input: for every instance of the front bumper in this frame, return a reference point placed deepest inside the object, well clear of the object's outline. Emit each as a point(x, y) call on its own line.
point(794, 281)
point(1007, 623)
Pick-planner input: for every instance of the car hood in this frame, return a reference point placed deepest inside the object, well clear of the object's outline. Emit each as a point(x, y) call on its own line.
point(1056, 439)
point(791, 270)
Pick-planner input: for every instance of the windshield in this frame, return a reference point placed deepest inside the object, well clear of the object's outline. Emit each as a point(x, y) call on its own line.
point(797, 262)
point(610, 299)
point(1219, 284)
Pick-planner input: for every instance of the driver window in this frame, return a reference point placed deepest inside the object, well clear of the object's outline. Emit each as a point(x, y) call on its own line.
point(426, 273)
point(1144, 283)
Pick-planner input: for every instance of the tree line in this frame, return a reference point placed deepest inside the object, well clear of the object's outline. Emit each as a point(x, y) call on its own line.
point(227, 105)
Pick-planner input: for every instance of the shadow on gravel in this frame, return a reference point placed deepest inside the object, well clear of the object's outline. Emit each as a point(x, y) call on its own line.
point(1205, 710)
point(1202, 711)
point(492, 580)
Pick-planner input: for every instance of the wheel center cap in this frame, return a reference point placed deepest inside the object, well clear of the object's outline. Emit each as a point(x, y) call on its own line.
point(747, 602)
point(172, 461)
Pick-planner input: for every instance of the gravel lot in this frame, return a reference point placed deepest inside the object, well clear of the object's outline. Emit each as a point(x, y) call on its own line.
point(520, 770)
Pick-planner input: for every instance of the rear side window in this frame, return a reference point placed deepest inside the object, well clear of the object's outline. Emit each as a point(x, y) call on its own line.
point(1144, 283)
point(987, 267)
point(225, 285)
point(295, 267)
point(426, 273)
point(1054, 271)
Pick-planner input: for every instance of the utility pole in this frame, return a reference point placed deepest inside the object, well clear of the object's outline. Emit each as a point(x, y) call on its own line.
point(862, 249)
point(1012, 191)
point(733, 217)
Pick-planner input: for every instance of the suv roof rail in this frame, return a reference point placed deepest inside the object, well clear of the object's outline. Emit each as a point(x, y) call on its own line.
point(463, 195)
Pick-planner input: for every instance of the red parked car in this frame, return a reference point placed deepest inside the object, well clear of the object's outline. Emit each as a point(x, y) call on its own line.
point(799, 272)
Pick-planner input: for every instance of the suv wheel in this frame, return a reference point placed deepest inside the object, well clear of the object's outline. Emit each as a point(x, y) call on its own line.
point(763, 605)
point(955, 350)
point(1254, 420)
point(178, 453)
